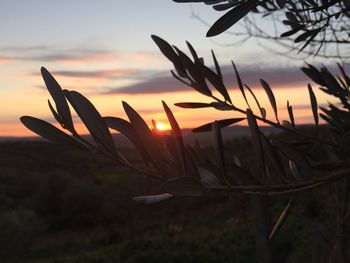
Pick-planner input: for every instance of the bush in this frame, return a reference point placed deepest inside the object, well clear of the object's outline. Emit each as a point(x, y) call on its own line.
point(18, 230)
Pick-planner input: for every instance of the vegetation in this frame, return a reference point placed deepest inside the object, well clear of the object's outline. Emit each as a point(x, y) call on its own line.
point(313, 27)
point(269, 178)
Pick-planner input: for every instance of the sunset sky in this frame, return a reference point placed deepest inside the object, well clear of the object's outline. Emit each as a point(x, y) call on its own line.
point(103, 49)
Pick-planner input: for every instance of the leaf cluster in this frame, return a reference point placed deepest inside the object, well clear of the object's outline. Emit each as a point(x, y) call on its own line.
point(312, 22)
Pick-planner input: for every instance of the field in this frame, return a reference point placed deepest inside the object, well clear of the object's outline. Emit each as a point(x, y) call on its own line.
point(64, 205)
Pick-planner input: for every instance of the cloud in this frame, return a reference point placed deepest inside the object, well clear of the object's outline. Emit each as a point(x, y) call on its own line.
point(160, 84)
point(4, 59)
point(279, 77)
point(96, 74)
point(74, 55)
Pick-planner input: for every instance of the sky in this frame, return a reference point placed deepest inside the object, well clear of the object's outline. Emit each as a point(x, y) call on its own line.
point(104, 50)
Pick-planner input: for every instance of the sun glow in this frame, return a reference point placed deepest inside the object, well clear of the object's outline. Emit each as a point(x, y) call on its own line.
point(161, 126)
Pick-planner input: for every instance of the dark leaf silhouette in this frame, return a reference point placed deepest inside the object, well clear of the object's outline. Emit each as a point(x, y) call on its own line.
point(56, 93)
point(281, 219)
point(217, 67)
point(125, 128)
point(175, 128)
point(256, 141)
point(145, 135)
point(313, 103)
point(261, 109)
point(49, 132)
point(184, 186)
point(314, 74)
point(169, 53)
point(193, 105)
point(240, 84)
point(198, 81)
point(54, 112)
point(219, 148)
point(152, 199)
point(231, 18)
point(270, 95)
point(208, 178)
point(92, 120)
point(291, 114)
point(222, 123)
point(215, 80)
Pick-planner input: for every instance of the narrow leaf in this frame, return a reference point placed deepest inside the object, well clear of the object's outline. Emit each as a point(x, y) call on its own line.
point(193, 51)
point(222, 124)
point(240, 176)
point(215, 80)
point(262, 110)
point(184, 186)
point(256, 141)
point(231, 17)
point(345, 77)
point(193, 105)
point(199, 83)
point(313, 103)
point(272, 155)
point(49, 132)
point(125, 128)
point(208, 178)
point(54, 113)
point(149, 141)
point(270, 95)
point(152, 199)
point(177, 132)
point(219, 149)
point(92, 120)
point(290, 113)
point(169, 53)
point(56, 93)
point(240, 84)
point(314, 74)
point(217, 67)
point(281, 219)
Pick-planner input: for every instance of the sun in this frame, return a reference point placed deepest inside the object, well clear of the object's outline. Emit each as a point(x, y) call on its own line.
point(161, 126)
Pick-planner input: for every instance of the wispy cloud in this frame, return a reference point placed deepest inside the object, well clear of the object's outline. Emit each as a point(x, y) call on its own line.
point(5, 59)
point(104, 74)
point(278, 77)
point(73, 55)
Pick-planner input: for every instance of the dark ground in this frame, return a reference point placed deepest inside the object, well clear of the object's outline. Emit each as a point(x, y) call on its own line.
point(64, 205)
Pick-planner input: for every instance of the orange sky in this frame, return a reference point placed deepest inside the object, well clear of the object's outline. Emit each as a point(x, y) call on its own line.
point(109, 57)
point(150, 107)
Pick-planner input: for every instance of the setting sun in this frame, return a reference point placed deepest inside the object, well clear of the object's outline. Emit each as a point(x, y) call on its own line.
point(161, 126)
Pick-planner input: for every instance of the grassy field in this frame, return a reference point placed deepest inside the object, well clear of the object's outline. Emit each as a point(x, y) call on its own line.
point(63, 205)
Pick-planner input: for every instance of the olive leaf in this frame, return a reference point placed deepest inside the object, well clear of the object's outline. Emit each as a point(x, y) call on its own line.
point(49, 132)
point(256, 141)
point(152, 199)
point(314, 106)
point(92, 120)
point(290, 113)
point(231, 17)
point(222, 124)
point(177, 132)
point(281, 219)
point(240, 84)
point(146, 136)
point(193, 105)
point(208, 178)
point(62, 113)
point(219, 148)
point(270, 95)
point(184, 186)
point(125, 128)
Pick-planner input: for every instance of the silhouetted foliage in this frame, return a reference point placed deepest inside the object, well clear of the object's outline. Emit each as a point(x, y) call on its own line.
point(315, 24)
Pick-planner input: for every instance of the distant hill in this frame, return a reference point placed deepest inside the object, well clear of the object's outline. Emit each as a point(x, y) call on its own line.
point(204, 138)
